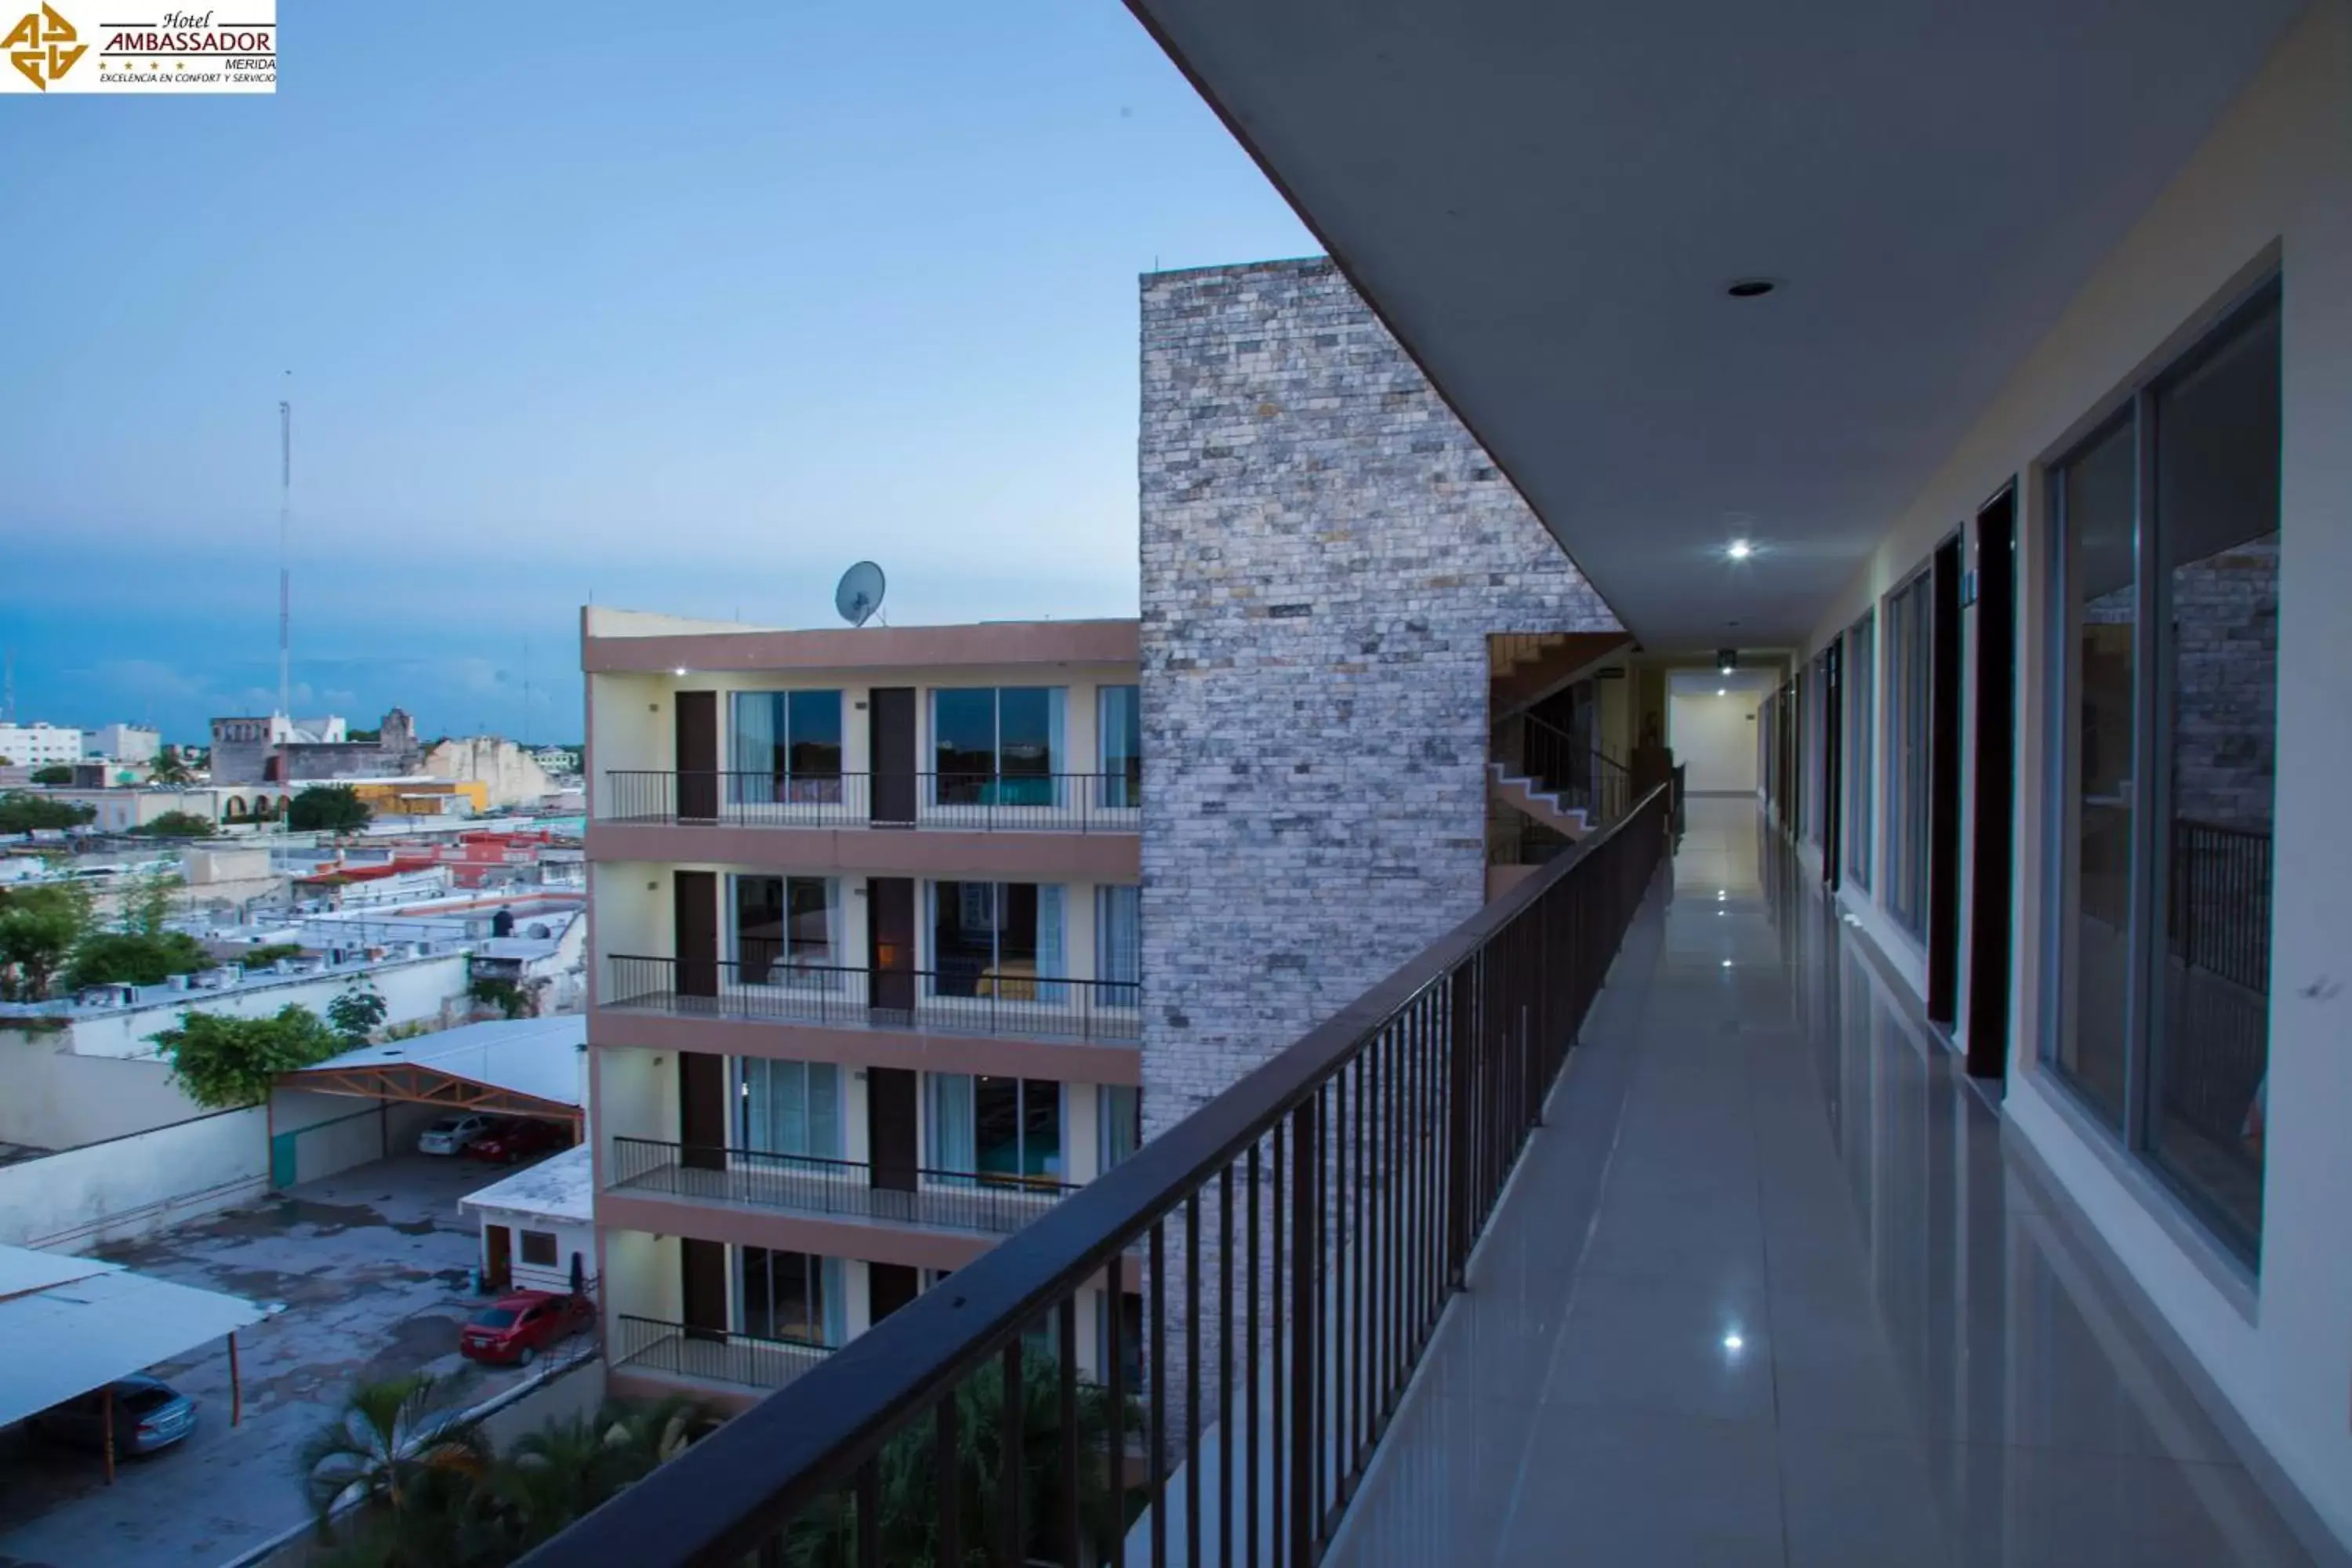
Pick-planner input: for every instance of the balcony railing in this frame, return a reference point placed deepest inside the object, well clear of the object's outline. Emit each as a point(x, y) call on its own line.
point(998, 1202)
point(715, 1355)
point(984, 1002)
point(969, 802)
point(1299, 1236)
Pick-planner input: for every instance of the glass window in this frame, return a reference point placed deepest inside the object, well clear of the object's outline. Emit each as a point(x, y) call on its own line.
point(1860, 761)
point(1910, 627)
point(790, 1108)
point(1120, 1110)
point(787, 930)
point(1118, 941)
point(539, 1248)
point(1008, 1128)
point(2167, 546)
point(1119, 722)
point(788, 1296)
point(996, 745)
point(994, 939)
point(785, 747)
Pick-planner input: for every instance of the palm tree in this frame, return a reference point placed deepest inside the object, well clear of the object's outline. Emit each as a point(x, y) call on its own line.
point(827, 1538)
point(170, 768)
point(393, 1442)
point(563, 1470)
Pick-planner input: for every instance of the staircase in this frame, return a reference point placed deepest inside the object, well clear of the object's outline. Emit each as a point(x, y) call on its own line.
point(1531, 799)
point(1525, 668)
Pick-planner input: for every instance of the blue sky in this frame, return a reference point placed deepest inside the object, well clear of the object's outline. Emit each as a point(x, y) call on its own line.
point(580, 306)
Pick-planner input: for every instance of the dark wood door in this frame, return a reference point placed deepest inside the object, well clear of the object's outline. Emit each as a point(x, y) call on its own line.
point(1996, 787)
point(695, 927)
point(698, 755)
point(702, 1110)
point(498, 1260)
point(890, 1286)
point(1944, 789)
point(890, 911)
point(893, 714)
point(703, 1286)
point(890, 1127)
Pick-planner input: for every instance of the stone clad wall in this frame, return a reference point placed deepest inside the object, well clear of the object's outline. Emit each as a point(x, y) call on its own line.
point(1325, 550)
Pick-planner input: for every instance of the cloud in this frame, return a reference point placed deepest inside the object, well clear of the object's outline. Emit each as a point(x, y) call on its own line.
point(149, 678)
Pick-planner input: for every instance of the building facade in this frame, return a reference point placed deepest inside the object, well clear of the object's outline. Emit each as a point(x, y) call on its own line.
point(279, 750)
point(865, 966)
point(39, 745)
point(123, 743)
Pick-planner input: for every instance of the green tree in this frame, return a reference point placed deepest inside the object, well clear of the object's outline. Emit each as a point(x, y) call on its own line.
point(134, 958)
point(327, 808)
point(21, 813)
point(55, 774)
point(497, 991)
point(357, 1012)
point(228, 1062)
point(177, 825)
point(40, 927)
point(827, 1537)
point(269, 952)
point(170, 768)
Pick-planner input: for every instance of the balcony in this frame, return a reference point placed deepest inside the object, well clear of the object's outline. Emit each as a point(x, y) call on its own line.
point(1077, 826)
point(987, 1203)
point(1007, 1005)
point(678, 1354)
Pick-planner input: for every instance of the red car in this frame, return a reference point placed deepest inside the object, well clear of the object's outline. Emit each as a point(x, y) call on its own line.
point(516, 1328)
point(518, 1138)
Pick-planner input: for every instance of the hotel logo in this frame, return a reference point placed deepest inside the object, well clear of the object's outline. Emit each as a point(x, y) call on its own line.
point(156, 51)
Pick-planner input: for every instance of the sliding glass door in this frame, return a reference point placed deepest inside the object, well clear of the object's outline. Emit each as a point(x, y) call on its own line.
point(2166, 549)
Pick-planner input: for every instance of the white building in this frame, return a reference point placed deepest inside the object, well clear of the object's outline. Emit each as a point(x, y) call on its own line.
point(122, 743)
point(39, 745)
point(535, 1221)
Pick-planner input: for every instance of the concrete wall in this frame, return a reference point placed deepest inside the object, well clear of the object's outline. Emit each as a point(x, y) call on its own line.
point(1713, 738)
point(2273, 182)
point(1325, 552)
point(52, 1098)
point(423, 988)
point(130, 1187)
point(509, 774)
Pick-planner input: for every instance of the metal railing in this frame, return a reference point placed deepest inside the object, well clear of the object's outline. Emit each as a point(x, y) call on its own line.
point(978, 1002)
point(972, 802)
point(999, 1202)
point(1580, 774)
point(2220, 897)
point(715, 1354)
point(1328, 1202)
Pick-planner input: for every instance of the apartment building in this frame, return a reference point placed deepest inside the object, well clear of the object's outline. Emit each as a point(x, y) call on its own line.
point(866, 963)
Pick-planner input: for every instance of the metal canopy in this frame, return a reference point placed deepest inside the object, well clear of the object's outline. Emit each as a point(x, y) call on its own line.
point(519, 1067)
point(72, 1324)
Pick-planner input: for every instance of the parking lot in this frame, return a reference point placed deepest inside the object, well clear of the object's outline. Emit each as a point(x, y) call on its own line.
point(372, 1268)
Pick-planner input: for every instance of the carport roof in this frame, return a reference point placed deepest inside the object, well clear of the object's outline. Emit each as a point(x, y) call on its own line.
point(528, 1066)
point(72, 1324)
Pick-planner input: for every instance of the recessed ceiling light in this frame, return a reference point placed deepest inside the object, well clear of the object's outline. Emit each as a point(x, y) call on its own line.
point(1740, 550)
point(1750, 288)
point(1722, 691)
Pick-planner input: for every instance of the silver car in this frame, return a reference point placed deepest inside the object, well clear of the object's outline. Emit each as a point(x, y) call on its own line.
point(148, 1414)
point(452, 1134)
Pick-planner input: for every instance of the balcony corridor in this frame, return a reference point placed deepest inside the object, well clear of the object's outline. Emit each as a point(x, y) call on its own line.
point(1768, 1289)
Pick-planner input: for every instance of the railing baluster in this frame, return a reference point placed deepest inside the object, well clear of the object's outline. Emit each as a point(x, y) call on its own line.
point(1072, 1525)
point(1013, 1425)
point(1156, 1356)
point(1193, 1378)
point(947, 1481)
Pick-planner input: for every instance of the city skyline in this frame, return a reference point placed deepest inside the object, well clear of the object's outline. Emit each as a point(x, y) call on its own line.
point(850, 290)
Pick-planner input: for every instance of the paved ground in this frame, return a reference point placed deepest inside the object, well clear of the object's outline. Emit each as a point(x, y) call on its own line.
point(372, 1269)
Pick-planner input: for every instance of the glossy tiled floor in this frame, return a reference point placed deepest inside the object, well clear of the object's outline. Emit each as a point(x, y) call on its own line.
point(1766, 1291)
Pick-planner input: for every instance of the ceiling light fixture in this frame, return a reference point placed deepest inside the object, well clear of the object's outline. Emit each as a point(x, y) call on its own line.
point(1722, 691)
point(1740, 550)
point(1750, 288)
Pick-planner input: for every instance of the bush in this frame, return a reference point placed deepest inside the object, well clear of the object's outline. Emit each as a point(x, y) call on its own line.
point(326, 808)
point(500, 993)
point(269, 952)
point(134, 958)
point(177, 825)
point(355, 1014)
point(224, 1063)
point(31, 812)
point(56, 774)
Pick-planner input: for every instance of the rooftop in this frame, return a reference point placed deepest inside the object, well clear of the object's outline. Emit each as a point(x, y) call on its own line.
point(617, 641)
point(562, 1186)
point(537, 1059)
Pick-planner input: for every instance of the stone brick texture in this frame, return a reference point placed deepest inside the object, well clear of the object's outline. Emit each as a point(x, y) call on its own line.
point(1324, 552)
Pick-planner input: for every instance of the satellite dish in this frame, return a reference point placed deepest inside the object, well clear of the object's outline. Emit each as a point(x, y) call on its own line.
point(860, 594)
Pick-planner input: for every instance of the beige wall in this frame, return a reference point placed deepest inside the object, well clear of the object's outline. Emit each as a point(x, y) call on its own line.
point(2273, 182)
point(1713, 738)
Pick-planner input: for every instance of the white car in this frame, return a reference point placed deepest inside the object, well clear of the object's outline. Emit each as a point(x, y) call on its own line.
point(452, 1134)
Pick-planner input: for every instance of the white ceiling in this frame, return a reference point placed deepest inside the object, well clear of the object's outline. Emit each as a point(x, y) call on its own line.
point(1546, 200)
